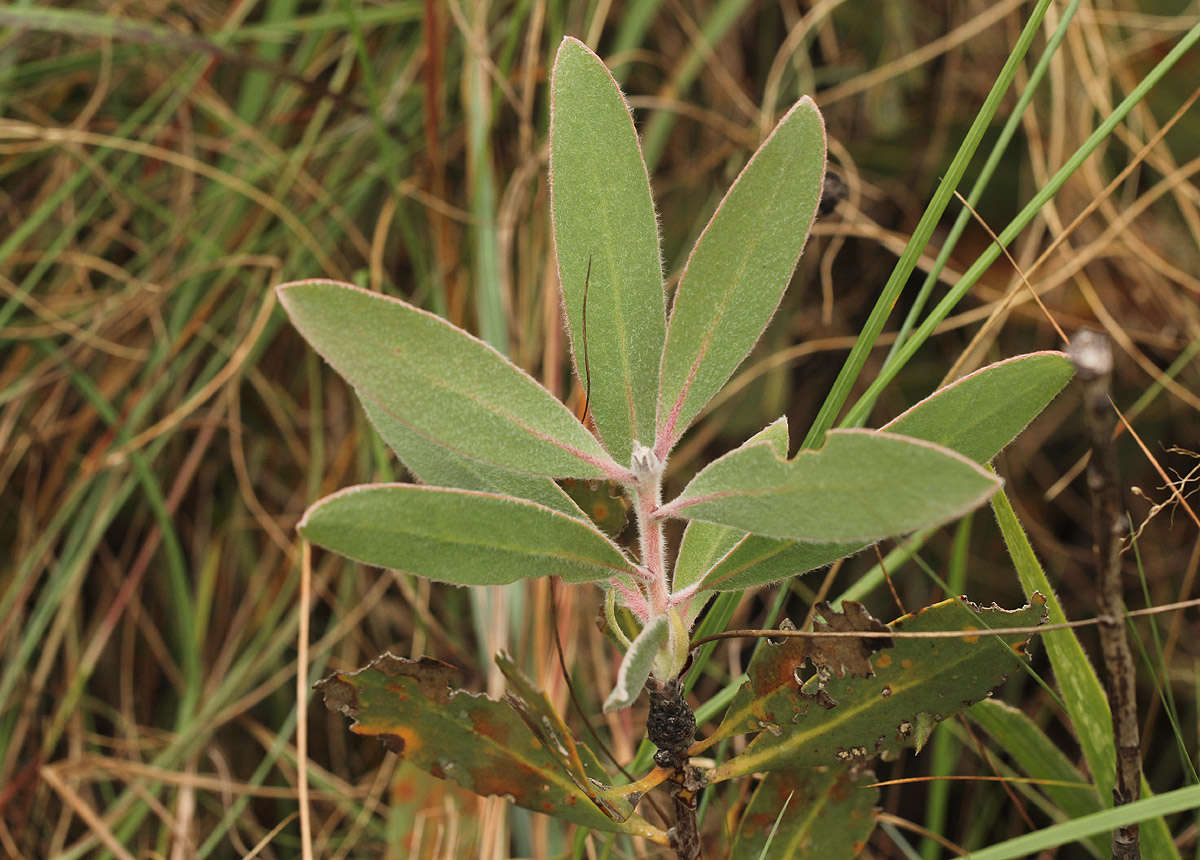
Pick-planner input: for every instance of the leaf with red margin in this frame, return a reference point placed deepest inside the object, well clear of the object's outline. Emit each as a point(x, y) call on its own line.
point(828, 812)
point(483, 745)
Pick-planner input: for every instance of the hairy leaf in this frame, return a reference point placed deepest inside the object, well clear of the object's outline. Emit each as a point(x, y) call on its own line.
point(441, 382)
point(436, 465)
point(840, 716)
point(481, 744)
point(861, 485)
point(976, 416)
point(637, 663)
point(740, 267)
point(982, 412)
point(704, 544)
point(827, 812)
point(459, 536)
point(604, 218)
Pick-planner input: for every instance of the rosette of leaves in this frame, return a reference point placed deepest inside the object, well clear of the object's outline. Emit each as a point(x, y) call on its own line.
point(487, 444)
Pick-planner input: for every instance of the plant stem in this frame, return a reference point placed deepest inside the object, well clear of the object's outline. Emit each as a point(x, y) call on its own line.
point(1091, 353)
point(647, 496)
point(671, 726)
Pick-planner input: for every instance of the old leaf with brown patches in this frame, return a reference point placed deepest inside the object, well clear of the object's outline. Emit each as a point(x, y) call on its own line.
point(484, 745)
point(850, 716)
point(775, 665)
point(577, 760)
point(828, 812)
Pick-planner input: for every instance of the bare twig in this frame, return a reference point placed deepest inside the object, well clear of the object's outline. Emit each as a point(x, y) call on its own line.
point(1091, 352)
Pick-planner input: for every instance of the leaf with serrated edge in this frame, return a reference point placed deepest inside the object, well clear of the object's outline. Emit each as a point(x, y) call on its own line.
point(860, 485)
point(830, 813)
point(982, 412)
point(976, 416)
point(448, 386)
point(738, 271)
point(855, 718)
point(438, 466)
point(460, 536)
point(602, 212)
point(481, 744)
point(637, 663)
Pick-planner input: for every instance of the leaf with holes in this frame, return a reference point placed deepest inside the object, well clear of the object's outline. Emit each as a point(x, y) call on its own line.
point(483, 745)
point(839, 716)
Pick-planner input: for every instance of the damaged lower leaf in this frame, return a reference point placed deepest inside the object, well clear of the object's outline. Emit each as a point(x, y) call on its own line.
point(830, 812)
point(843, 713)
point(484, 745)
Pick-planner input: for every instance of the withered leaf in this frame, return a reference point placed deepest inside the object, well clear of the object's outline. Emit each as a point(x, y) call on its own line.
point(912, 685)
point(482, 744)
point(776, 666)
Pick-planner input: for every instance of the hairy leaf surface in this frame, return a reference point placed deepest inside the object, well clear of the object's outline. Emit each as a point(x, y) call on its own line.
point(460, 536)
point(483, 745)
point(861, 485)
point(436, 465)
point(740, 267)
point(976, 416)
point(637, 663)
point(982, 412)
point(440, 381)
point(603, 215)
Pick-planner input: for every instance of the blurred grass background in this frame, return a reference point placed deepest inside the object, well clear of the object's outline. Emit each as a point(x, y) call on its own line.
point(162, 165)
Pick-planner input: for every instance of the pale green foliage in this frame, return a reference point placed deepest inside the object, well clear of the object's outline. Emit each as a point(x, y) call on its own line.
point(460, 536)
point(636, 665)
point(490, 438)
point(486, 440)
point(740, 267)
point(860, 486)
point(441, 382)
point(607, 242)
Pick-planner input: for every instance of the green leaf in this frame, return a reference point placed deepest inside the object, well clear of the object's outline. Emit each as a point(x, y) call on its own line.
point(441, 382)
point(704, 544)
point(637, 663)
point(436, 465)
point(840, 716)
point(459, 536)
point(1040, 758)
point(576, 760)
point(483, 745)
point(1083, 694)
point(603, 215)
point(740, 267)
point(861, 485)
point(976, 416)
point(829, 813)
point(1148, 811)
point(982, 412)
